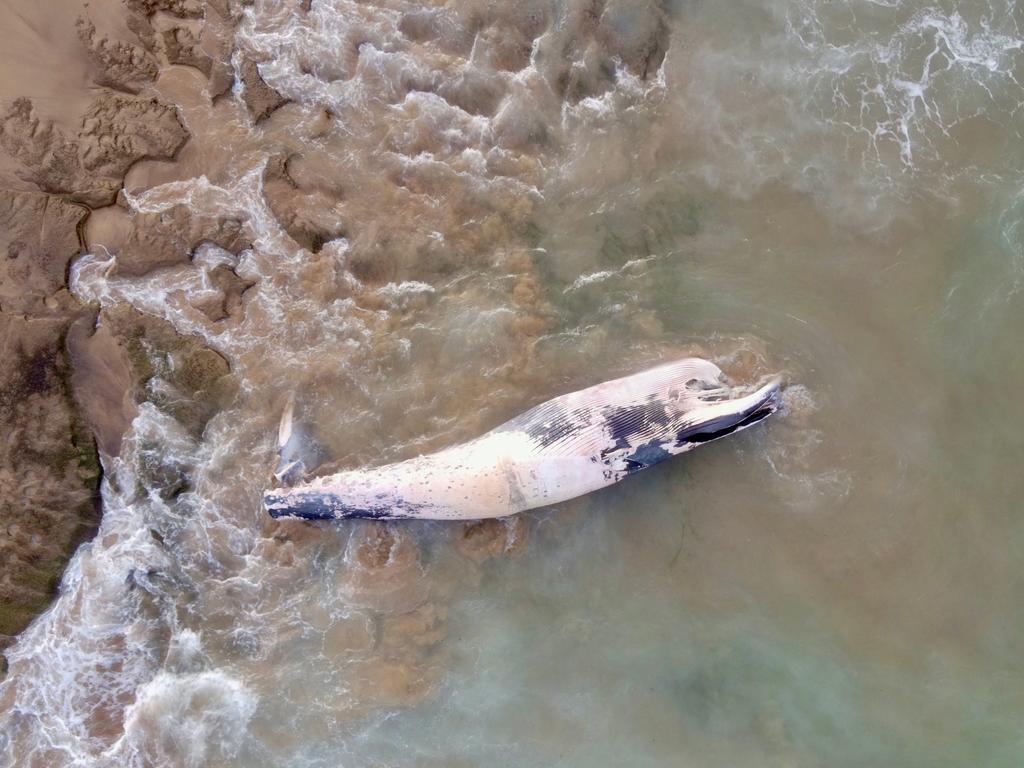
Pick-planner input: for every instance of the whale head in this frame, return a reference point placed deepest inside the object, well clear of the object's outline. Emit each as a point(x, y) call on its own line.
point(713, 408)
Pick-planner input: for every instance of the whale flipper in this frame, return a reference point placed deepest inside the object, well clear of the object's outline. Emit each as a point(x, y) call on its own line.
point(297, 451)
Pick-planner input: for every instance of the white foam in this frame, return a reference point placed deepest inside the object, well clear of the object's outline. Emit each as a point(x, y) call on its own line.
point(189, 720)
point(854, 105)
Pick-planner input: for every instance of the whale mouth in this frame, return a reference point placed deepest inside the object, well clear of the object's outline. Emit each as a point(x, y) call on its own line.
point(720, 418)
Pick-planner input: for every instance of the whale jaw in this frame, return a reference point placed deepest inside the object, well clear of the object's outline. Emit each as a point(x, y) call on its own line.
point(725, 417)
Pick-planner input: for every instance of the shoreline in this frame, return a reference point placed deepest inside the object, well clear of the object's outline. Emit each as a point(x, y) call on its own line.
point(76, 373)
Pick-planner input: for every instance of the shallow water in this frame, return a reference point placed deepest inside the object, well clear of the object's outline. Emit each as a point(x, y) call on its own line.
point(830, 190)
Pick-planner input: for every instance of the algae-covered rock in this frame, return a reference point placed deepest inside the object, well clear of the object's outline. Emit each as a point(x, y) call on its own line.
point(49, 475)
point(179, 374)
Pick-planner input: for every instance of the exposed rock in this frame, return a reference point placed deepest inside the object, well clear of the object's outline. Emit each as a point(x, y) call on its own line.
point(231, 10)
point(117, 131)
point(186, 9)
point(48, 472)
point(49, 157)
point(67, 375)
point(216, 40)
point(38, 238)
point(161, 239)
point(222, 7)
point(120, 65)
point(143, 29)
point(222, 77)
point(182, 47)
point(259, 97)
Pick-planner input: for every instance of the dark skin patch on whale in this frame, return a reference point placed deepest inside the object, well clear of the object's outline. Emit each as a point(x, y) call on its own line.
point(629, 420)
point(327, 507)
point(708, 432)
point(647, 455)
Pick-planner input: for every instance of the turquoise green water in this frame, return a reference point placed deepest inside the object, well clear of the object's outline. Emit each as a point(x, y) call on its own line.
point(830, 190)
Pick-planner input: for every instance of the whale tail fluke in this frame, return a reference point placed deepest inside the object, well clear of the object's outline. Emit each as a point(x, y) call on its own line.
point(297, 451)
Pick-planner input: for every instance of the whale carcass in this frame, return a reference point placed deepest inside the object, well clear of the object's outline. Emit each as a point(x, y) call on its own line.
point(563, 448)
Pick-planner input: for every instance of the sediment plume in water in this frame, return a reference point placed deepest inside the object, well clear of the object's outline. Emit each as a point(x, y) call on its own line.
point(418, 221)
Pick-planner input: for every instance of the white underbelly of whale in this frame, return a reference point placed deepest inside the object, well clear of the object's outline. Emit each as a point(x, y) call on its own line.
point(563, 448)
